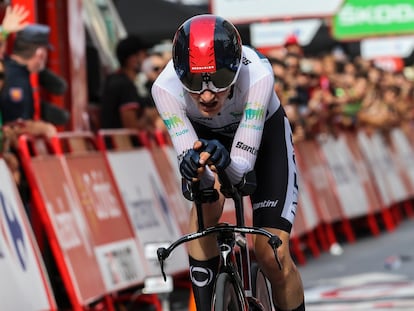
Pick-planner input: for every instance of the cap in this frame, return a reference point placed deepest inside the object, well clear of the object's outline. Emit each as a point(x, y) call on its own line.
point(129, 46)
point(34, 33)
point(291, 40)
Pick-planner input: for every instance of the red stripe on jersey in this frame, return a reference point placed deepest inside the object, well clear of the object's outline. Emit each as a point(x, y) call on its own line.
point(201, 47)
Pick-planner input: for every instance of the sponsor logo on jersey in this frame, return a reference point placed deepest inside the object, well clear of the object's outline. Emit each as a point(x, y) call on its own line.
point(236, 114)
point(245, 147)
point(172, 121)
point(253, 112)
point(265, 203)
point(246, 61)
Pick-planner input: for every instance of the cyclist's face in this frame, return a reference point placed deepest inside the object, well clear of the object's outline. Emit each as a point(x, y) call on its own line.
point(210, 103)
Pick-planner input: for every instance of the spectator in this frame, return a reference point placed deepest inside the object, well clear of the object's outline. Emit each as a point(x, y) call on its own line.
point(14, 20)
point(16, 102)
point(121, 105)
point(151, 68)
point(292, 45)
point(379, 112)
point(29, 55)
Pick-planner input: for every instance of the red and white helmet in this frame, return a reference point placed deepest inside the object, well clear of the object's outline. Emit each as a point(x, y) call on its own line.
point(207, 53)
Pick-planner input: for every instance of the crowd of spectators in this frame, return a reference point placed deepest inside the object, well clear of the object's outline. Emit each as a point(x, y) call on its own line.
point(331, 92)
point(325, 93)
point(22, 109)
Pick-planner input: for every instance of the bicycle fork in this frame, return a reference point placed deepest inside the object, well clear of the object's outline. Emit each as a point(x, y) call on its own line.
point(231, 260)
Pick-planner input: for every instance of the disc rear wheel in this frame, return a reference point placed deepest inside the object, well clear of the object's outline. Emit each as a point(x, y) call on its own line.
point(260, 288)
point(226, 296)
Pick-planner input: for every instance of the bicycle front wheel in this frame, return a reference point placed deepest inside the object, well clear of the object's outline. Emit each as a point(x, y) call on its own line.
point(260, 288)
point(227, 296)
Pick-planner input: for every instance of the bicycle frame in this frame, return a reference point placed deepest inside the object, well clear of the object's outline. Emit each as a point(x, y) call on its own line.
point(235, 263)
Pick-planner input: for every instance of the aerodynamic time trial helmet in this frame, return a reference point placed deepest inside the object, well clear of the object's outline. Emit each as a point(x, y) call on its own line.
point(207, 53)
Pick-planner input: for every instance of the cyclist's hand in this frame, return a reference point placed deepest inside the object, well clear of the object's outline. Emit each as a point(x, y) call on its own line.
point(190, 164)
point(217, 154)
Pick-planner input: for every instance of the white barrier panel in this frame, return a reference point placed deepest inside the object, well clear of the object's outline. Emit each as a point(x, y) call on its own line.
point(363, 170)
point(168, 172)
point(347, 182)
point(306, 218)
point(145, 197)
point(23, 280)
point(172, 155)
point(386, 176)
point(316, 175)
point(403, 152)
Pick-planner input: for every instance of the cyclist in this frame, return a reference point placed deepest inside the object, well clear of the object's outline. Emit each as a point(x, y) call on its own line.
point(217, 100)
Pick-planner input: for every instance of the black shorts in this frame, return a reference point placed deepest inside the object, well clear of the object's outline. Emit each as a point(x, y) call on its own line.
point(275, 199)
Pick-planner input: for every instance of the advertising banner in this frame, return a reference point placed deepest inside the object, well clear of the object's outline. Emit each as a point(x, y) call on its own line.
point(275, 33)
point(347, 181)
point(69, 225)
point(377, 153)
point(366, 177)
point(111, 232)
point(145, 196)
point(171, 179)
point(242, 11)
point(363, 18)
point(306, 218)
point(24, 284)
point(402, 153)
point(315, 173)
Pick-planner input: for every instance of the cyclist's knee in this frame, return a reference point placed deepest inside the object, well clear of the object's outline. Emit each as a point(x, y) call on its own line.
point(211, 213)
point(266, 258)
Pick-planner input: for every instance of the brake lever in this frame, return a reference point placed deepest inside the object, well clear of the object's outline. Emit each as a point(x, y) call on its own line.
point(275, 242)
point(162, 254)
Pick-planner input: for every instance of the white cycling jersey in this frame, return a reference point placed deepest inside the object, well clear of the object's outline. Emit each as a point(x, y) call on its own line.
point(242, 116)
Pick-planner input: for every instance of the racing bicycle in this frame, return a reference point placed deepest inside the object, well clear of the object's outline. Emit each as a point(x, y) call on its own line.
point(240, 284)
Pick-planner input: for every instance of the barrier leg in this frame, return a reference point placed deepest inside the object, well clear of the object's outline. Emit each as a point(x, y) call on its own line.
point(387, 219)
point(330, 235)
point(408, 208)
point(321, 237)
point(349, 233)
point(311, 242)
point(373, 225)
point(396, 213)
point(297, 251)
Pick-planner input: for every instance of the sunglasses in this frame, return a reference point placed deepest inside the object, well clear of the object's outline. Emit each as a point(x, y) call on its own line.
point(218, 81)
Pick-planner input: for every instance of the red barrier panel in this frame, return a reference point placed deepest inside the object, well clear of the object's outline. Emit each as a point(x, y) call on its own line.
point(91, 238)
point(56, 202)
point(110, 230)
point(21, 266)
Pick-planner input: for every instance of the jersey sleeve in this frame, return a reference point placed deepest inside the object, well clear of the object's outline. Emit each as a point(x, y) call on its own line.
point(248, 136)
point(173, 114)
point(182, 133)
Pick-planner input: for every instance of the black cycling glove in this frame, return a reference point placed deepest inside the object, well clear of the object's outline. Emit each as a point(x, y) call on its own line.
point(219, 155)
point(190, 164)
